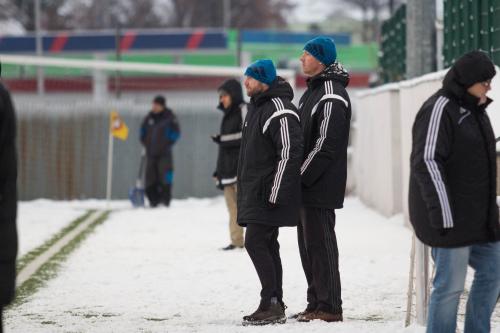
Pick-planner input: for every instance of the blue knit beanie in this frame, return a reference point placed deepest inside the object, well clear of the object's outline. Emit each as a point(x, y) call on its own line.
point(323, 49)
point(262, 70)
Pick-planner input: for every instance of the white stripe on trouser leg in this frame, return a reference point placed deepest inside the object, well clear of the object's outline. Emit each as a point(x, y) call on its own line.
point(285, 152)
point(335, 264)
point(332, 258)
point(319, 143)
point(429, 158)
point(329, 255)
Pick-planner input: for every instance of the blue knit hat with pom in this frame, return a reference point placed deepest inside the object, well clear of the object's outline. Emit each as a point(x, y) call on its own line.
point(262, 70)
point(323, 49)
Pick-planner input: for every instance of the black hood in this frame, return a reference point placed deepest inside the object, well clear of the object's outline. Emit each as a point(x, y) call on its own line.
point(233, 88)
point(280, 88)
point(468, 70)
point(335, 72)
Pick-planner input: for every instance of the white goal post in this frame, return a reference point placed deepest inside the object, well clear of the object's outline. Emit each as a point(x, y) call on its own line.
point(107, 65)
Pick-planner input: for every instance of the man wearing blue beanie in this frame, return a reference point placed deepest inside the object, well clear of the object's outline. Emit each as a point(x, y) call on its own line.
point(268, 182)
point(323, 49)
point(262, 71)
point(325, 114)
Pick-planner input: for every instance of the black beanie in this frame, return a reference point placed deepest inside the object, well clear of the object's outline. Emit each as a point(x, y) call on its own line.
point(160, 100)
point(473, 67)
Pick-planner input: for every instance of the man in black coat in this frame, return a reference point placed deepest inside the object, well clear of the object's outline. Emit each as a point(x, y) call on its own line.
point(452, 195)
point(229, 141)
point(325, 114)
point(8, 200)
point(268, 181)
point(159, 132)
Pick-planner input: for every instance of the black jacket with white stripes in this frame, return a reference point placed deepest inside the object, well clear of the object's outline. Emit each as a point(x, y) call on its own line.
point(325, 115)
point(270, 158)
point(229, 139)
point(452, 196)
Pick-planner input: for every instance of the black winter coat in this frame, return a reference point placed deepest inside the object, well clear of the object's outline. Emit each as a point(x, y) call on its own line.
point(159, 132)
point(229, 139)
point(8, 198)
point(325, 116)
point(270, 158)
point(452, 197)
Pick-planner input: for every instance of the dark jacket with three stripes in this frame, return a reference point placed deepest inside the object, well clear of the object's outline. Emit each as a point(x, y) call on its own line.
point(229, 139)
point(8, 198)
point(325, 115)
point(452, 196)
point(270, 159)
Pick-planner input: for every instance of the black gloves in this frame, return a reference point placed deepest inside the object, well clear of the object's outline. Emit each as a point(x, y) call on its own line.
point(216, 138)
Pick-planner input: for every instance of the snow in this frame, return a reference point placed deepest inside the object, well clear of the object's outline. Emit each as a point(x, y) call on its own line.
point(162, 271)
point(39, 220)
point(11, 27)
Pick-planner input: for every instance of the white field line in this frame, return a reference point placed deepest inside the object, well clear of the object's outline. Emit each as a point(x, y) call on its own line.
point(31, 268)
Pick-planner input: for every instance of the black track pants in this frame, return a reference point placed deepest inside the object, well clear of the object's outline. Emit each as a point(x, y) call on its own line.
point(320, 259)
point(262, 245)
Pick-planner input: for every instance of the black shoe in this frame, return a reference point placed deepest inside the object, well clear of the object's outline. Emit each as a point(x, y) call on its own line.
point(321, 315)
point(231, 247)
point(273, 314)
point(307, 311)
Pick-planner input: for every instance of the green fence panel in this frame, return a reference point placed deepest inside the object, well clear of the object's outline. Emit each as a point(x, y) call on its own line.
point(393, 47)
point(471, 25)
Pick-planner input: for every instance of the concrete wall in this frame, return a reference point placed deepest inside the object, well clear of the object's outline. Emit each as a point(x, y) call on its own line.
point(377, 151)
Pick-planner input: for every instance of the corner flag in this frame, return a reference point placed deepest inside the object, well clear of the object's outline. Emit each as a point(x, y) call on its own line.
point(118, 128)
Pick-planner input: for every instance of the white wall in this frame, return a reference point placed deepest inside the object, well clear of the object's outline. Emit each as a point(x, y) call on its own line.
point(382, 144)
point(377, 151)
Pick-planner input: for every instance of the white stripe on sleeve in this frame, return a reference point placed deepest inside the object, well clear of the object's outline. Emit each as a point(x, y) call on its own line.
point(322, 136)
point(429, 158)
point(285, 155)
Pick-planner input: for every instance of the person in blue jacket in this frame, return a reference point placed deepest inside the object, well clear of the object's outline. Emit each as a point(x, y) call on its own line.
point(159, 132)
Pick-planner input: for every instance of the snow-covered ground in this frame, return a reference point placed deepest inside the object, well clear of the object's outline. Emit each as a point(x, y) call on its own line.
point(162, 271)
point(39, 220)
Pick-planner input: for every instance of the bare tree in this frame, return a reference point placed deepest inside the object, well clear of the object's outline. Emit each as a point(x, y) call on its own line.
point(372, 11)
point(106, 14)
point(7, 10)
point(243, 13)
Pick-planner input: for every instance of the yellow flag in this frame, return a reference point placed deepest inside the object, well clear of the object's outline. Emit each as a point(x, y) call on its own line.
point(118, 127)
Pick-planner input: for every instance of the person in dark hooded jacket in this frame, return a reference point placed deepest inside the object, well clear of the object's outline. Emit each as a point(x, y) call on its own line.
point(452, 197)
point(325, 114)
point(229, 141)
point(159, 132)
point(268, 181)
point(8, 200)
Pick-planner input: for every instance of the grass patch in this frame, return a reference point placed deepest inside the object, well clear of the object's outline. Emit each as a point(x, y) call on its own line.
point(370, 317)
point(50, 269)
point(373, 317)
point(156, 319)
point(33, 254)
